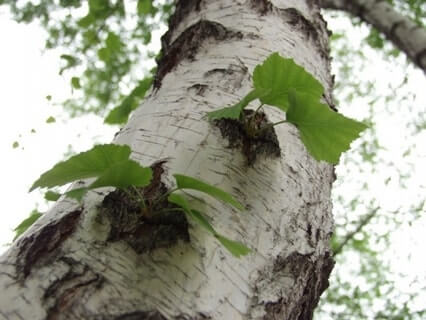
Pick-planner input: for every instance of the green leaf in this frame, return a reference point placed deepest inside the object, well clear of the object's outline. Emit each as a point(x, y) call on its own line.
point(104, 54)
point(15, 145)
point(236, 248)
point(92, 163)
point(77, 194)
point(185, 182)
point(50, 120)
point(70, 62)
point(124, 174)
point(180, 201)
point(121, 113)
point(52, 196)
point(279, 75)
point(325, 133)
point(202, 221)
point(234, 111)
point(24, 225)
point(144, 7)
point(75, 82)
point(193, 214)
point(113, 42)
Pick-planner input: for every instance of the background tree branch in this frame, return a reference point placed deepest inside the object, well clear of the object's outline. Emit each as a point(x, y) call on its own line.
point(403, 32)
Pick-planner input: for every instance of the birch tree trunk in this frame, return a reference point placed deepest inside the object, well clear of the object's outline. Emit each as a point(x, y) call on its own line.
point(72, 265)
point(404, 33)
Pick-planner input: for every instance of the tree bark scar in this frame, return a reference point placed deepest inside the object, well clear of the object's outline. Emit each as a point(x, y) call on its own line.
point(155, 224)
point(154, 315)
point(296, 19)
point(183, 9)
point(70, 290)
point(139, 315)
point(262, 6)
point(188, 43)
point(40, 245)
point(311, 275)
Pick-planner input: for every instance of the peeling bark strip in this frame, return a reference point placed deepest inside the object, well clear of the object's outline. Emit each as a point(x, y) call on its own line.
point(404, 33)
point(188, 43)
point(40, 245)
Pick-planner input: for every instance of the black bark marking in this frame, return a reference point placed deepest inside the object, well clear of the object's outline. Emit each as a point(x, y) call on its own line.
point(72, 289)
point(38, 247)
point(145, 227)
point(199, 89)
point(262, 6)
point(313, 276)
point(154, 315)
point(421, 59)
point(296, 19)
point(182, 10)
point(139, 315)
point(187, 45)
point(227, 78)
point(265, 143)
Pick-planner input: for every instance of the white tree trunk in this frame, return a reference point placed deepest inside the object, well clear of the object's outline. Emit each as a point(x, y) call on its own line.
point(404, 33)
point(68, 267)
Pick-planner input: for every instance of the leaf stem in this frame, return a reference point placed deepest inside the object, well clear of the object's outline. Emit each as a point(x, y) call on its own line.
point(142, 200)
point(270, 126)
point(166, 195)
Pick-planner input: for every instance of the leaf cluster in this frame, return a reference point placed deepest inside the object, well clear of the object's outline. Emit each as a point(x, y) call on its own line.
point(281, 83)
point(109, 165)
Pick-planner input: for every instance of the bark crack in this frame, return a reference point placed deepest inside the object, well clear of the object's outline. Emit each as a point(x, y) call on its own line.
point(187, 45)
point(39, 246)
point(78, 283)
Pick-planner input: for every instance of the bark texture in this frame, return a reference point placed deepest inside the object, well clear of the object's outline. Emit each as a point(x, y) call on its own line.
point(82, 262)
point(404, 33)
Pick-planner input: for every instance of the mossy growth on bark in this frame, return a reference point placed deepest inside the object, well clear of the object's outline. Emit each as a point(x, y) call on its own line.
point(145, 224)
point(253, 134)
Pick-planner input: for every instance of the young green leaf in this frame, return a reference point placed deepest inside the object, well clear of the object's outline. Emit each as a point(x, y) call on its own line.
point(75, 82)
point(235, 247)
point(92, 163)
point(180, 201)
point(185, 182)
point(50, 120)
point(193, 214)
point(77, 194)
point(124, 174)
point(121, 113)
point(234, 111)
point(202, 221)
point(144, 7)
point(325, 133)
point(279, 75)
point(52, 196)
point(24, 225)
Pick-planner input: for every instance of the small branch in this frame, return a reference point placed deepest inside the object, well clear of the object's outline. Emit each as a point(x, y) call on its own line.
point(351, 235)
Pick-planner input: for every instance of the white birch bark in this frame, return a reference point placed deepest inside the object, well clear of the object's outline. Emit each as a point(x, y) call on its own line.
point(404, 33)
point(65, 268)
